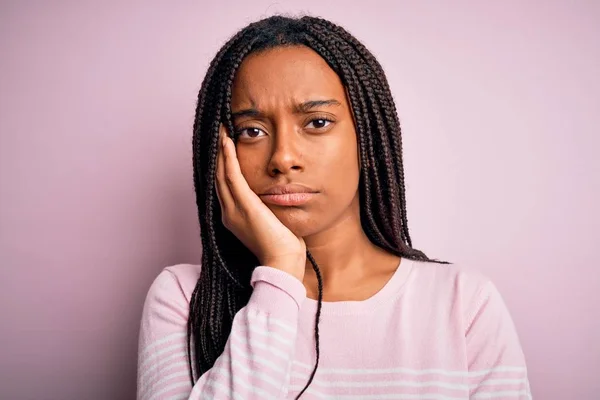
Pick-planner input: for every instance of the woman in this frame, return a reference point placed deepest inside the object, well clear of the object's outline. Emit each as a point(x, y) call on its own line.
point(309, 285)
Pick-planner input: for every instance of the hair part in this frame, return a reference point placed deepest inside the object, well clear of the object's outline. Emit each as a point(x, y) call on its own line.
point(224, 284)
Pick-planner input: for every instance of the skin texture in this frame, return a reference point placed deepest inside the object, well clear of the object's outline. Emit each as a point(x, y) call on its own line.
point(282, 144)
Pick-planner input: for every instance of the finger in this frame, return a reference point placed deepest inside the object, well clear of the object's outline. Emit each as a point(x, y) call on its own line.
point(238, 185)
point(223, 192)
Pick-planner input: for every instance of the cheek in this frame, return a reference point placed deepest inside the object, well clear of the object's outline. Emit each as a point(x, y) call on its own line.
point(343, 169)
point(251, 169)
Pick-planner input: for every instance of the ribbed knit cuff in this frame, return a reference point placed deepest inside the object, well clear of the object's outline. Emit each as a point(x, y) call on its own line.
point(276, 292)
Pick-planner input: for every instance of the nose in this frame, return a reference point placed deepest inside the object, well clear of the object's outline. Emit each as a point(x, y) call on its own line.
point(286, 155)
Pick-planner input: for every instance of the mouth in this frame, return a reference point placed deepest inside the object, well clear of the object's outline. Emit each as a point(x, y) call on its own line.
point(288, 195)
point(288, 199)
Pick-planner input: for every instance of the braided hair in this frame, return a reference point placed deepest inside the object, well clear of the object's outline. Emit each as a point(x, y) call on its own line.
point(224, 284)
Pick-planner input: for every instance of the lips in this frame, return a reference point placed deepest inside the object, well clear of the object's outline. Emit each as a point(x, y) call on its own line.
point(290, 188)
point(288, 195)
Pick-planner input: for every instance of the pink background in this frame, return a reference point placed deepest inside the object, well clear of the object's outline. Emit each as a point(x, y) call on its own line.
point(500, 106)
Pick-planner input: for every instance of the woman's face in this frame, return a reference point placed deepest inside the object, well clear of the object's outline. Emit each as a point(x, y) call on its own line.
point(283, 139)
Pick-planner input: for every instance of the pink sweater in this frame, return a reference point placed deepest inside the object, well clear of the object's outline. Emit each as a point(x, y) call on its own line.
point(432, 332)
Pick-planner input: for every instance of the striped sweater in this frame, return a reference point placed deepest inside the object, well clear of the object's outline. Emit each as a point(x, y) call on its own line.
point(432, 332)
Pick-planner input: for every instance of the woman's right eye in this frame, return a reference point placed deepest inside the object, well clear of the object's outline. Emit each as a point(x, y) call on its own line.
point(250, 132)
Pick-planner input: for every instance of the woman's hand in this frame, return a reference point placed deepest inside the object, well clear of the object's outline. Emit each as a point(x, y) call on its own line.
point(248, 218)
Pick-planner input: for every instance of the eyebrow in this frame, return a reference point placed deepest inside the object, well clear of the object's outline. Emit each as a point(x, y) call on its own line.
point(297, 109)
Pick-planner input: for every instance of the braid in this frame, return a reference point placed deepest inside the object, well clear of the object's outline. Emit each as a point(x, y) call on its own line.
point(380, 126)
point(229, 84)
point(318, 317)
point(224, 284)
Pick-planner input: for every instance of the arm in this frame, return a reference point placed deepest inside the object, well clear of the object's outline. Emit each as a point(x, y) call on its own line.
point(495, 359)
point(257, 358)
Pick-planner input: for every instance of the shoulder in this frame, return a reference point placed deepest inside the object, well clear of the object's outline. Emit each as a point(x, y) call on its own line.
point(459, 290)
point(175, 281)
point(167, 301)
point(453, 279)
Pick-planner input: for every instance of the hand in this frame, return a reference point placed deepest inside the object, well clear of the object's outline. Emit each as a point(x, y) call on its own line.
point(250, 220)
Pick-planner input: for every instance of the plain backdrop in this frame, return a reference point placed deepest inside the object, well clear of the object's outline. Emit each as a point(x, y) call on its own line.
point(500, 109)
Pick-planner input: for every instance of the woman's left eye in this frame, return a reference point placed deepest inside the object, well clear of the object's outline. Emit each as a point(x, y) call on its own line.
point(320, 123)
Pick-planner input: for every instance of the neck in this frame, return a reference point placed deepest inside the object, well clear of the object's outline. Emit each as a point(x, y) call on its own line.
point(344, 253)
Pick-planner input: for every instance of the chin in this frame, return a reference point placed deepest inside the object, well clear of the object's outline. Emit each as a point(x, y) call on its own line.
point(297, 220)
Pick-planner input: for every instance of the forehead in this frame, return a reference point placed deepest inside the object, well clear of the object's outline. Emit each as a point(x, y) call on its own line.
point(284, 75)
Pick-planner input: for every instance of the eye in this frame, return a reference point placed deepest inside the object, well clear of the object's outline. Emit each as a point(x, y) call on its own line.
point(249, 132)
point(320, 123)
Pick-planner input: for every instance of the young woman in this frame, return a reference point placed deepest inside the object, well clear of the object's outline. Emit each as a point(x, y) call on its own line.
point(309, 284)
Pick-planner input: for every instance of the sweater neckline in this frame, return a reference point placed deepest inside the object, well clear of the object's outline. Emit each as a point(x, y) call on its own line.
point(392, 288)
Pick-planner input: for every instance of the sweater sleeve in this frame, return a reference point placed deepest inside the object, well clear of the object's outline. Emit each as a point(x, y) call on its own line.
point(258, 354)
point(495, 359)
